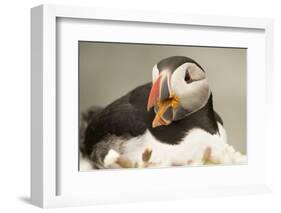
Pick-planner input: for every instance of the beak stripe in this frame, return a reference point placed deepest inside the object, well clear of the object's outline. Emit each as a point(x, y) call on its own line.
point(154, 92)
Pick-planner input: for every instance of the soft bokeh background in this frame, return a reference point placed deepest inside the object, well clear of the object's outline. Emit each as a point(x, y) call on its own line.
point(110, 70)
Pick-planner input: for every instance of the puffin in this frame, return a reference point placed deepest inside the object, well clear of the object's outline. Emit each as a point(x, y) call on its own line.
point(168, 116)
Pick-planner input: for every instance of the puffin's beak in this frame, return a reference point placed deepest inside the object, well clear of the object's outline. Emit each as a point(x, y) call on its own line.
point(161, 98)
point(159, 91)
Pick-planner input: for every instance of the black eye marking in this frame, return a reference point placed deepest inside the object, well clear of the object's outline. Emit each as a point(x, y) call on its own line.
point(187, 77)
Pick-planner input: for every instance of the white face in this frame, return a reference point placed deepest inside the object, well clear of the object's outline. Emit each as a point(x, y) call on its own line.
point(188, 82)
point(177, 93)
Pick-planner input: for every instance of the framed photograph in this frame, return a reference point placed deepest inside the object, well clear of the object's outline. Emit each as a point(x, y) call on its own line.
point(130, 106)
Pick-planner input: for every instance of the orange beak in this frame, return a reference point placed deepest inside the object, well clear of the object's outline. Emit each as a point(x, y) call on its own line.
point(161, 98)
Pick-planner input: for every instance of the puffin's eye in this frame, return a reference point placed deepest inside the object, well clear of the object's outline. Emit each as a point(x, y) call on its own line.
point(187, 77)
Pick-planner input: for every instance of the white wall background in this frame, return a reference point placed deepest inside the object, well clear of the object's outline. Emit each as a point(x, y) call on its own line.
point(15, 104)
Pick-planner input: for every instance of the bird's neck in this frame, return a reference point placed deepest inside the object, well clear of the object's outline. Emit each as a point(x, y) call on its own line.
point(173, 133)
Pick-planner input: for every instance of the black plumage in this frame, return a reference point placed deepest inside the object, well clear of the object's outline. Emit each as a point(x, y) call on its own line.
point(174, 62)
point(127, 117)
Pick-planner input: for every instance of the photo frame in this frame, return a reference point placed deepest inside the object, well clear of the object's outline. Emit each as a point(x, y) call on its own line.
point(55, 179)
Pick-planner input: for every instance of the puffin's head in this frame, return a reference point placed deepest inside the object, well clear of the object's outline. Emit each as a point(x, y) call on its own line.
point(179, 88)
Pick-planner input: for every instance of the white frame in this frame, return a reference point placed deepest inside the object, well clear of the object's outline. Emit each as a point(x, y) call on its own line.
point(43, 150)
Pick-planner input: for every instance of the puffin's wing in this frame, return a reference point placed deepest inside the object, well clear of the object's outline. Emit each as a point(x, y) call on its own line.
point(121, 119)
point(125, 118)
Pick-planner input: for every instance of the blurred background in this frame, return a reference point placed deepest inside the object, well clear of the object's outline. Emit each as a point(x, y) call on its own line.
point(108, 71)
